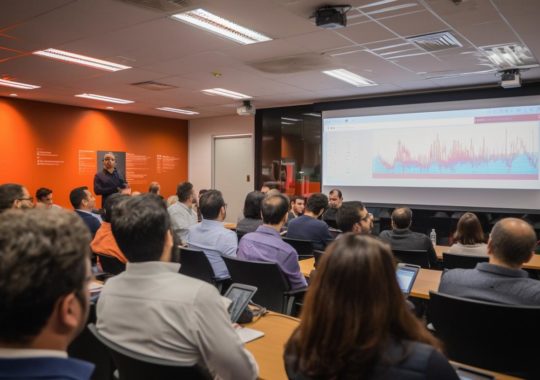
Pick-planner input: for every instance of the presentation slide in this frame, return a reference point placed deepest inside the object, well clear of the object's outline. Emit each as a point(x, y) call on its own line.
point(481, 153)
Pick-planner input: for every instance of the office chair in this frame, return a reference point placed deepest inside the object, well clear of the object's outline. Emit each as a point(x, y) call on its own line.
point(501, 338)
point(416, 257)
point(457, 260)
point(110, 264)
point(304, 248)
point(317, 255)
point(194, 263)
point(273, 289)
point(240, 234)
point(134, 366)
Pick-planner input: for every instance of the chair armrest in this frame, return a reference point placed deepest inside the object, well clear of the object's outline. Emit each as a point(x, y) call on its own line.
point(295, 291)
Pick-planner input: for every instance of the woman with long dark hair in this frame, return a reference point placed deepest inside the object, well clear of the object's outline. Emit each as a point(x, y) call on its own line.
point(355, 323)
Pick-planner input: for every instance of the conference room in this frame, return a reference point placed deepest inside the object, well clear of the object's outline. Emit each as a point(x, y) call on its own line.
point(429, 104)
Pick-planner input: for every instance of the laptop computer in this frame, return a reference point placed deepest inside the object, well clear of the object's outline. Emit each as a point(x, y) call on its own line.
point(406, 275)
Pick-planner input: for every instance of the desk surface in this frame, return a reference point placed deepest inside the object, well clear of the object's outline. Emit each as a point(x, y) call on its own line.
point(533, 264)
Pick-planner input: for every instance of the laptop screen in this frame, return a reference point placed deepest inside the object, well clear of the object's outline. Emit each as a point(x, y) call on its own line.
point(406, 274)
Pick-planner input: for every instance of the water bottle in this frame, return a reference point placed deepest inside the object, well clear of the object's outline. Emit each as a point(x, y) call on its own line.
point(433, 237)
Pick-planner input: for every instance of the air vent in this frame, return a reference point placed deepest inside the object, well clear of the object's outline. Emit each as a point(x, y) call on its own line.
point(161, 5)
point(154, 86)
point(435, 41)
point(293, 64)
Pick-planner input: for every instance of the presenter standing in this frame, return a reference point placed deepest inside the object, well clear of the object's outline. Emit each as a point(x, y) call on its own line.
point(108, 181)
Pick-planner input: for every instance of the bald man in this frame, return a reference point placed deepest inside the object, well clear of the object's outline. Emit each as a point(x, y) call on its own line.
point(501, 280)
point(108, 181)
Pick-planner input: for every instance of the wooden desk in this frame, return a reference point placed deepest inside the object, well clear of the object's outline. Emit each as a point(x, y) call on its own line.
point(268, 350)
point(426, 280)
point(533, 264)
point(230, 226)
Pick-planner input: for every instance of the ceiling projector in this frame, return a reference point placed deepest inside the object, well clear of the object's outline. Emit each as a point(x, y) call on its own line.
point(332, 16)
point(246, 109)
point(510, 79)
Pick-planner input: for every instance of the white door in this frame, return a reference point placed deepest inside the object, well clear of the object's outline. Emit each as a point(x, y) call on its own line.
point(232, 171)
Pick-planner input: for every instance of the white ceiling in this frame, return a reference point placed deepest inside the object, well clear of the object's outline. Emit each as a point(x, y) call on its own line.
point(167, 51)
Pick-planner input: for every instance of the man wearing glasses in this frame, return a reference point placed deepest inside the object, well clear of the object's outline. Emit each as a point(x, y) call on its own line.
point(13, 195)
point(353, 217)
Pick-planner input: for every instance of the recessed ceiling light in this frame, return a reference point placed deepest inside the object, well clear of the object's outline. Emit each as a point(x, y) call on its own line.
point(215, 24)
point(510, 56)
point(22, 86)
point(177, 110)
point(14, 95)
point(349, 77)
point(104, 98)
point(81, 59)
point(227, 93)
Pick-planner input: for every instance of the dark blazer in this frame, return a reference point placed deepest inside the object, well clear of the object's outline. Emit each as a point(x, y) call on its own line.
point(492, 283)
point(308, 228)
point(405, 240)
point(45, 368)
point(91, 222)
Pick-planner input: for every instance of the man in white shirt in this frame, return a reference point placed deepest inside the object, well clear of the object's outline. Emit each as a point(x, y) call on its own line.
point(152, 309)
point(182, 214)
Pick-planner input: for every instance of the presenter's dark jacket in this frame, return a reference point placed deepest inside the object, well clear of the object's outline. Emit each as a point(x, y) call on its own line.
point(91, 221)
point(106, 183)
point(406, 240)
point(46, 368)
point(492, 283)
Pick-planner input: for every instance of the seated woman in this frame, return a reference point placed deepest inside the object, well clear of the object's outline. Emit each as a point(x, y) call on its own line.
point(252, 213)
point(469, 237)
point(355, 323)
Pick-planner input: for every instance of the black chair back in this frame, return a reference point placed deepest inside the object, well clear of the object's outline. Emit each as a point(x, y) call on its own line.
point(416, 257)
point(240, 234)
point(501, 338)
point(111, 264)
point(134, 366)
point(194, 263)
point(304, 248)
point(267, 277)
point(456, 260)
point(317, 254)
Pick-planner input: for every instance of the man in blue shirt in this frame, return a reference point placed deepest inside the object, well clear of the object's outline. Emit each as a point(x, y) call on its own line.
point(44, 300)
point(210, 236)
point(265, 244)
point(308, 226)
point(83, 201)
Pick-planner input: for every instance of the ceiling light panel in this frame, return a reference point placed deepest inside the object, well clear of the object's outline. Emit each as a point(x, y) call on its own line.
point(177, 110)
point(218, 25)
point(22, 86)
point(104, 98)
point(512, 56)
point(349, 77)
point(226, 93)
point(81, 60)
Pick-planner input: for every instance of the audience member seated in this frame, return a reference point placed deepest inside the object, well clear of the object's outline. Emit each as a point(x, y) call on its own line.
point(511, 243)
point(104, 242)
point(210, 236)
point(266, 244)
point(182, 214)
point(402, 238)
point(44, 198)
point(308, 226)
point(172, 200)
point(353, 216)
point(335, 200)
point(83, 201)
point(13, 195)
point(347, 332)
point(201, 192)
point(44, 299)
point(252, 213)
point(298, 204)
point(469, 237)
point(153, 310)
point(154, 188)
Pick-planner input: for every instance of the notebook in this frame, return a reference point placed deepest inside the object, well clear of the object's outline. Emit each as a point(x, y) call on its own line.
point(406, 274)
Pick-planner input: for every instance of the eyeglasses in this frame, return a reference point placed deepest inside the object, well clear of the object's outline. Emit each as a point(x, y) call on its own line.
point(31, 199)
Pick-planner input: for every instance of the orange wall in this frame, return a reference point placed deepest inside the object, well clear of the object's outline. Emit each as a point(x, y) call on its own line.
point(62, 133)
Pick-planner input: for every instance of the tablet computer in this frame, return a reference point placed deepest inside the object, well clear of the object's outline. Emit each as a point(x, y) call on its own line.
point(240, 295)
point(406, 274)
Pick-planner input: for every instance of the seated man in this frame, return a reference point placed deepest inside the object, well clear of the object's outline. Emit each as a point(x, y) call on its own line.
point(104, 242)
point(308, 226)
point(44, 198)
point(402, 238)
point(298, 204)
point(83, 201)
point(511, 243)
point(182, 213)
point(265, 244)
point(44, 299)
point(153, 310)
point(335, 200)
point(210, 236)
point(353, 217)
point(13, 195)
